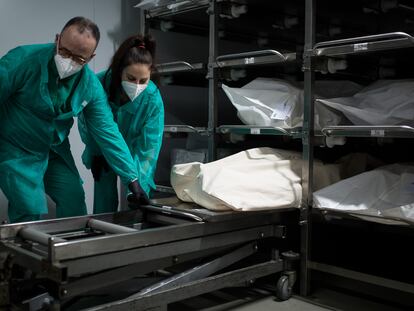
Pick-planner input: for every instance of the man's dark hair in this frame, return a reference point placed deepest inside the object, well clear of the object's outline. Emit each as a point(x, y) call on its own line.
point(83, 24)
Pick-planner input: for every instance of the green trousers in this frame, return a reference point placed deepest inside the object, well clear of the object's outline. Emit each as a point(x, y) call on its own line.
point(105, 199)
point(61, 183)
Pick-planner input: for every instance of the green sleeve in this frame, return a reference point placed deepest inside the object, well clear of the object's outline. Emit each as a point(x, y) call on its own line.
point(101, 126)
point(91, 147)
point(9, 65)
point(146, 146)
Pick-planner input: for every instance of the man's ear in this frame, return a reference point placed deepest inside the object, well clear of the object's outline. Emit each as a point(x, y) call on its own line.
point(56, 38)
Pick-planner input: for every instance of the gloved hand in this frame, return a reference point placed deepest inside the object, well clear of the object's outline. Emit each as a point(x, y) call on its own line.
point(99, 164)
point(138, 195)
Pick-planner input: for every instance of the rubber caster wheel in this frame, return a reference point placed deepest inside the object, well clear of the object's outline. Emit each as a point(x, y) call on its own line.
point(283, 290)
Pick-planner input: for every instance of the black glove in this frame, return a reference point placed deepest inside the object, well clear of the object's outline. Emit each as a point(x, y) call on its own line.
point(99, 164)
point(138, 196)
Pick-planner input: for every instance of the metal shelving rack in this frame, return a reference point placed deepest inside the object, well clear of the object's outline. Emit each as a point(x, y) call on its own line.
point(165, 9)
point(250, 59)
point(215, 63)
point(213, 66)
point(313, 51)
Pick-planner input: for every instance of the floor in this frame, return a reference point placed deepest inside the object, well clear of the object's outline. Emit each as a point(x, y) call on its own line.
point(241, 299)
point(264, 301)
point(253, 299)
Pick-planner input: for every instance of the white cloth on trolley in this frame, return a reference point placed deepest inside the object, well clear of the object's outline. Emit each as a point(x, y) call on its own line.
point(255, 179)
point(385, 102)
point(278, 103)
point(384, 192)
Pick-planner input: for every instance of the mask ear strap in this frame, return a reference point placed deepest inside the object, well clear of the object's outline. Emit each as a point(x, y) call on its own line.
point(57, 43)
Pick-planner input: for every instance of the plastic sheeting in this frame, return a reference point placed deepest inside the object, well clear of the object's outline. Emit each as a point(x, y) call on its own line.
point(386, 192)
point(278, 103)
point(381, 103)
point(256, 179)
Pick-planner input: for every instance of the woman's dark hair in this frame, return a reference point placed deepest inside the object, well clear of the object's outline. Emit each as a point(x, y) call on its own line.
point(134, 50)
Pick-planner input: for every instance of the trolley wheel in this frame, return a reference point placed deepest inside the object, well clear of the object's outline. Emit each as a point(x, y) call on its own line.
point(283, 290)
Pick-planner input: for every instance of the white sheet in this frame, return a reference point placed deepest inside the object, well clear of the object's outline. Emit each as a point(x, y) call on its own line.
point(256, 179)
point(381, 103)
point(385, 192)
point(278, 103)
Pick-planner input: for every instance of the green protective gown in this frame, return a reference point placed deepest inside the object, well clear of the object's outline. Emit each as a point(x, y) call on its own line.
point(141, 123)
point(34, 128)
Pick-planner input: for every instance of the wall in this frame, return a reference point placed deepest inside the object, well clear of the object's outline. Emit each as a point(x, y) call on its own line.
point(27, 22)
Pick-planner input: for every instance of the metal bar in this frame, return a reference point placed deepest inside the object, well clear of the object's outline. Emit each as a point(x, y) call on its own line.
point(180, 66)
point(108, 227)
point(329, 213)
point(363, 277)
point(406, 7)
point(175, 64)
point(114, 276)
point(112, 260)
point(250, 58)
point(200, 271)
point(142, 22)
point(166, 219)
point(307, 141)
point(167, 10)
point(212, 80)
point(68, 224)
point(369, 131)
point(36, 263)
point(254, 130)
point(194, 66)
point(183, 129)
point(110, 243)
point(196, 288)
point(365, 47)
point(165, 189)
point(254, 61)
point(385, 36)
point(250, 54)
point(169, 211)
point(37, 236)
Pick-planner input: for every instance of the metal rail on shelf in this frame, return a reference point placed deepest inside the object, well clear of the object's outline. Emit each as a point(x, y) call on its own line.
point(178, 66)
point(380, 42)
point(258, 130)
point(396, 131)
point(184, 129)
point(389, 220)
point(362, 277)
point(176, 7)
point(164, 189)
point(254, 58)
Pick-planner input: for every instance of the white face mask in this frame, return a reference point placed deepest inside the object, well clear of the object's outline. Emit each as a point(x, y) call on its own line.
point(66, 66)
point(132, 89)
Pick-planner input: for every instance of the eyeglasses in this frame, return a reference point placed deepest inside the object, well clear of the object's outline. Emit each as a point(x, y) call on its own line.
point(65, 53)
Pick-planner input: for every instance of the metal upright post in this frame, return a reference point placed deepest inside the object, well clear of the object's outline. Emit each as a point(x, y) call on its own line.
point(307, 141)
point(212, 77)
